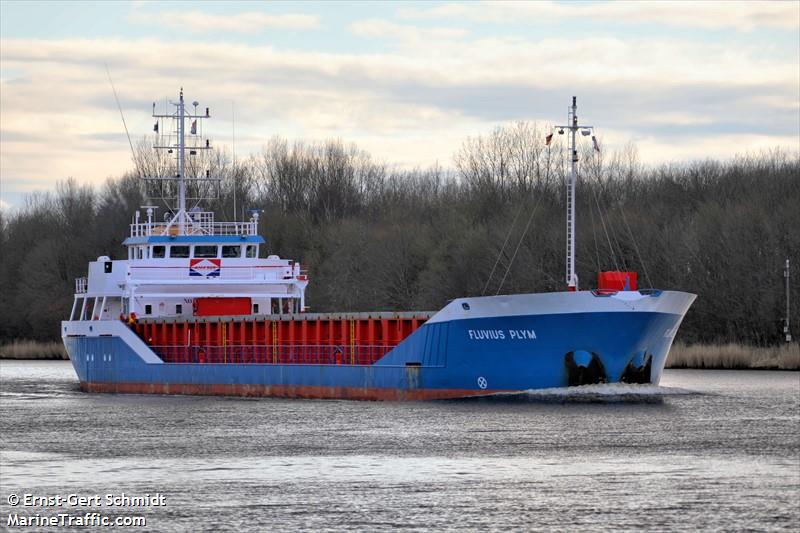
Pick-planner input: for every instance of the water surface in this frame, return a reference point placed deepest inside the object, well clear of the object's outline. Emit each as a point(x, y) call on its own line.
point(714, 450)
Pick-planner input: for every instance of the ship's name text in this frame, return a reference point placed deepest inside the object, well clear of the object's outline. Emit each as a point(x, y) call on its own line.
point(501, 334)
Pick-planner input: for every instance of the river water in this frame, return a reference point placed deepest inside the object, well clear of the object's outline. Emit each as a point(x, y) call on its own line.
point(710, 450)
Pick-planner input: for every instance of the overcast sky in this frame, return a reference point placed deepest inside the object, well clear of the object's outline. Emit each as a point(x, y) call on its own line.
point(406, 81)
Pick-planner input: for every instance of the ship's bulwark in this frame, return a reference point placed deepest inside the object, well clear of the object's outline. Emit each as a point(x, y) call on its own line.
point(458, 357)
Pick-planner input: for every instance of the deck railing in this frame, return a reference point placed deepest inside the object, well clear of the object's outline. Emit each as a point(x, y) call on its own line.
point(300, 354)
point(200, 227)
point(81, 285)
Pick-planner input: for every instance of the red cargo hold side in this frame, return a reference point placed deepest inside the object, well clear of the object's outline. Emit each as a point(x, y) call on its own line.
point(221, 306)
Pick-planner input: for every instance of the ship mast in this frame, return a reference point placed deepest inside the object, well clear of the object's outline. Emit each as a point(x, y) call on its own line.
point(573, 127)
point(177, 143)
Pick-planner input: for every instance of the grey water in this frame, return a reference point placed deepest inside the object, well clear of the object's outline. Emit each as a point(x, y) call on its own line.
point(705, 450)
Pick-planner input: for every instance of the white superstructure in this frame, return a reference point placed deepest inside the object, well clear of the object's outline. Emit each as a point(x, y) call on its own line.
point(188, 257)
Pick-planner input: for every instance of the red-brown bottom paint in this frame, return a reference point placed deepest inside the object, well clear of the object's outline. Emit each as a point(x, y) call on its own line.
point(282, 391)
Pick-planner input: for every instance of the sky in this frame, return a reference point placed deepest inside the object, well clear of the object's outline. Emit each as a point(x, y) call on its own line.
point(406, 81)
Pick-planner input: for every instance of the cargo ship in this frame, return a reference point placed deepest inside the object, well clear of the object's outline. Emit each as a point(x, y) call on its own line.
point(197, 307)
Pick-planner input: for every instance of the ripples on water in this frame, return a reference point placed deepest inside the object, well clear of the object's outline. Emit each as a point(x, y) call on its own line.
point(707, 450)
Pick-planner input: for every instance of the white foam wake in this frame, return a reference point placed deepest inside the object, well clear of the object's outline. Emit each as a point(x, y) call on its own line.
point(614, 389)
point(604, 392)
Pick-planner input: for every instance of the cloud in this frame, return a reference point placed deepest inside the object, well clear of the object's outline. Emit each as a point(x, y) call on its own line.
point(250, 22)
point(743, 16)
point(411, 34)
point(413, 106)
point(655, 150)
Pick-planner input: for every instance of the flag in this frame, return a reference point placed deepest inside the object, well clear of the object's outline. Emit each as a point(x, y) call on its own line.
point(155, 127)
point(548, 139)
point(194, 127)
point(594, 143)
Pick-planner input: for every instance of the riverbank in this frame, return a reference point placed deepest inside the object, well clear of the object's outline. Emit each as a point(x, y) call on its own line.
point(734, 356)
point(25, 349)
point(716, 356)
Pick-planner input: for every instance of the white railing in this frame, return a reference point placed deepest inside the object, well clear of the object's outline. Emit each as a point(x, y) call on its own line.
point(196, 228)
point(279, 274)
point(81, 285)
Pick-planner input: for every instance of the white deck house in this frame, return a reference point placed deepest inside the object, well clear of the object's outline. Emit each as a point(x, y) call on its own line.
point(165, 272)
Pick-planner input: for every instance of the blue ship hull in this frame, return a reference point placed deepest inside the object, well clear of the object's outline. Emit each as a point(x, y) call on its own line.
point(473, 346)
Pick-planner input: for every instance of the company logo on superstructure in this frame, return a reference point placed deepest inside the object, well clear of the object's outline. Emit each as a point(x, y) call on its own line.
point(501, 334)
point(206, 268)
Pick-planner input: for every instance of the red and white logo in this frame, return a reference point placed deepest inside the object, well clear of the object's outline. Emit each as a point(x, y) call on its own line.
point(206, 268)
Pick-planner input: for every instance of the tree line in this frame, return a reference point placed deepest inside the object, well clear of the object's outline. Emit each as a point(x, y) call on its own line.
point(375, 237)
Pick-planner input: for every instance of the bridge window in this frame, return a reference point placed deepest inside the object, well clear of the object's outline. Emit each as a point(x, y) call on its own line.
point(179, 251)
point(205, 251)
point(178, 309)
point(148, 309)
point(252, 251)
point(231, 251)
point(159, 252)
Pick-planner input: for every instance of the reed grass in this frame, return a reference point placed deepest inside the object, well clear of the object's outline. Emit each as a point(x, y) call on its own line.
point(735, 356)
point(25, 349)
point(718, 356)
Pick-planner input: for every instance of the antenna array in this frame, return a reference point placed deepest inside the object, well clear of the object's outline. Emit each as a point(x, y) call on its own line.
point(181, 167)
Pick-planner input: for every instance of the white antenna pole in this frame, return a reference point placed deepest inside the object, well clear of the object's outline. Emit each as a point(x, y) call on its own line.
point(164, 141)
point(786, 323)
point(233, 148)
point(572, 127)
point(181, 168)
point(124, 124)
point(572, 278)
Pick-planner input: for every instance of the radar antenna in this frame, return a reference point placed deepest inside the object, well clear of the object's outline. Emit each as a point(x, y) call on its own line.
point(182, 180)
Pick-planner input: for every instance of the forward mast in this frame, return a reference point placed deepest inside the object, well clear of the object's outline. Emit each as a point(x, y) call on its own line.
point(573, 127)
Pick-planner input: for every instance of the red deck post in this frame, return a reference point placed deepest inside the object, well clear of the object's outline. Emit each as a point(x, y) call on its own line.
point(304, 339)
point(208, 341)
point(331, 340)
point(176, 346)
point(290, 357)
point(371, 339)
